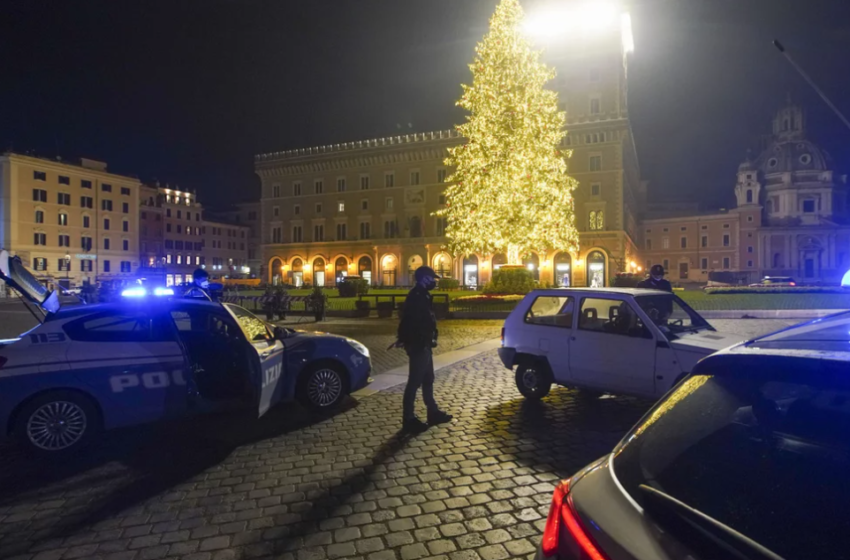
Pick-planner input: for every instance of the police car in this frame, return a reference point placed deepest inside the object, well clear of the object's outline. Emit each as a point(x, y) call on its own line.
point(152, 356)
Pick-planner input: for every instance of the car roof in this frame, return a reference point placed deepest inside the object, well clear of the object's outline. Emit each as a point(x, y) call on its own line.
point(81, 309)
point(622, 291)
point(824, 338)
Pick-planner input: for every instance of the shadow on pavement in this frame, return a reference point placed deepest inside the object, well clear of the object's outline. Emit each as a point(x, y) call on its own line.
point(128, 467)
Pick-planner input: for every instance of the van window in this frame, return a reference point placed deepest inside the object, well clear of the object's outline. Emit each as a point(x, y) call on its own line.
point(611, 316)
point(553, 311)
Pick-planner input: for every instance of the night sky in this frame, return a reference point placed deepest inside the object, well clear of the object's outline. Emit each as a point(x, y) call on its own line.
point(187, 91)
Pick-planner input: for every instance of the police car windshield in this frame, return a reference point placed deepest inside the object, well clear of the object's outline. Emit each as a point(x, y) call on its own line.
point(671, 314)
point(255, 330)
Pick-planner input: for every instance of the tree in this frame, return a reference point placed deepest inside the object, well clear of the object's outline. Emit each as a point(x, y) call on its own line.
point(510, 191)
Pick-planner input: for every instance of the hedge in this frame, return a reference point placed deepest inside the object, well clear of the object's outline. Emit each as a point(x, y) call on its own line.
point(779, 290)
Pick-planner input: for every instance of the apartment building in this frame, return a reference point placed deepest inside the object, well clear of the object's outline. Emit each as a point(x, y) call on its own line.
point(246, 214)
point(70, 223)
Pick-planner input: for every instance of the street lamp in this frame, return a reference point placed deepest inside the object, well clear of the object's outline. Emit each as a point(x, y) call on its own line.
point(588, 18)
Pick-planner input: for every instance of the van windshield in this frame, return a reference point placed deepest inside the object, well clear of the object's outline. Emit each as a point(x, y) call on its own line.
point(766, 454)
point(672, 315)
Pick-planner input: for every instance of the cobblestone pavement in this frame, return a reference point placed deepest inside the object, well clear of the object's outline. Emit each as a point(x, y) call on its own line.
point(292, 486)
point(378, 334)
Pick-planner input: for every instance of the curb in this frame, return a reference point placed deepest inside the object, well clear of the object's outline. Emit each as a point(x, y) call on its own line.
point(397, 376)
point(769, 313)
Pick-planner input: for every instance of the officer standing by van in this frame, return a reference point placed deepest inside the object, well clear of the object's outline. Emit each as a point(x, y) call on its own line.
point(417, 334)
point(656, 280)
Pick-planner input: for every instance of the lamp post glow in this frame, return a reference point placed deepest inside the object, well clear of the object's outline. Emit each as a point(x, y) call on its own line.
point(585, 19)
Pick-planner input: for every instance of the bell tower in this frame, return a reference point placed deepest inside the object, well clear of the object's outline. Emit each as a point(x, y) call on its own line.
point(789, 123)
point(748, 187)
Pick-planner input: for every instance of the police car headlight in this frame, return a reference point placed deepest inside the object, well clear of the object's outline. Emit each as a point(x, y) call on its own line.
point(358, 347)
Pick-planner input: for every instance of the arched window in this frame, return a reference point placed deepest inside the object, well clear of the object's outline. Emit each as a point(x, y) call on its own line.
point(297, 272)
point(749, 195)
point(319, 272)
point(596, 270)
point(276, 271)
point(364, 268)
point(389, 269)
point(563, 273)
point(470, 271)
point(341, 268)
point(443, 265)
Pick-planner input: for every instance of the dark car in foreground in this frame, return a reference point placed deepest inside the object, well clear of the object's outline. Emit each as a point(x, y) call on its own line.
point(746, 458)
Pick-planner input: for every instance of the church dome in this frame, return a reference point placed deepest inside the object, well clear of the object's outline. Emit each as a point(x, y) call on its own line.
point(793, 155)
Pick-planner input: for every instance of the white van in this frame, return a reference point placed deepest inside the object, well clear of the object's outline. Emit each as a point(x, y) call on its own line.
point(627, 341)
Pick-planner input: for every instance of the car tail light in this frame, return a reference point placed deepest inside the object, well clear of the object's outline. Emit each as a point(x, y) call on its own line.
point(793, 283)
point(575, 538)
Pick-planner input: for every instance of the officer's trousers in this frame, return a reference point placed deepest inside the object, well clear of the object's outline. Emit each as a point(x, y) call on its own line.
point(421, 375)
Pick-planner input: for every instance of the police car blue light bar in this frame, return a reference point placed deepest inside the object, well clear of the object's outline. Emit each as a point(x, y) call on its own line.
point(163, 292)
point(136, 291)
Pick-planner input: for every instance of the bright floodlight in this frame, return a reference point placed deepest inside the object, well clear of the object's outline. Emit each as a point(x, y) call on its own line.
point(588, 17)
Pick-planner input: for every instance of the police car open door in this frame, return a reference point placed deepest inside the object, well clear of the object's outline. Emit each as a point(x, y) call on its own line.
point(15, 274)
point(268, 358)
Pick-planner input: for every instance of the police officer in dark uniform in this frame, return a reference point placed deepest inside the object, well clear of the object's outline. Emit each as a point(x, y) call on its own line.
point(656, 280)
point(200, 286)
point(417, 334)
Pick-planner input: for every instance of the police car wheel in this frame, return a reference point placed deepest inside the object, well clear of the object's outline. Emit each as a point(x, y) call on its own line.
point(322, 387)
point(57, 422)
point(533, 380)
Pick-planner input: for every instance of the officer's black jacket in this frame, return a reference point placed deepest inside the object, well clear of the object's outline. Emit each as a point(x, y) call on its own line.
point(418, 326)
point(653, 284)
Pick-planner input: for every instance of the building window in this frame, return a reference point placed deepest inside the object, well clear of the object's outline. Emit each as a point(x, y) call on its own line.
point(276, 211)
point(125, 191)
point(64, 240)
point(39, 239)
point(390, 229)
point(318, 233)
point(389, 179)
point(595, 105)
point(107, 266)
point(442, 199)
point(340, 184)
point(341, 232)
point(297, 234)
point(277, 235)
point(340, 206)
point(749, 195)
point(364, 182)
point(388, 203)
point(596, 163)
point(749, 218)
point(168, 228)
point(85, 243)
point(750, 249)
point(726, 240)
point(319, 185)
point(725, 226)
point(86, 265)
point(64, 180)
point(808, 206)
point(666, 264)
point(106, 188)
point(64, 265)
point(595, 189)
point(649, 244)
point(365, 230)
point(666, 230)
point(39, 195)
point(319, 208)
point(168, 212)
point(703, 241)
point(125, 266)
point(596, 220)
point(296, 209)
point(106, 244)
point(275, 191)
point(39, 263)
point(750, 264)
point(125, 207)
point(63, 219)
point(726, 263)
point(86, 221)
point(441, 226)
point(63, 198)
point(683, 243)
point(414, 178)
point(125, 226)
point(665, 243)
point(364, 204)
point(125, 245)
point(106, 205)
point(296, 189)
point(703, 227)
point(106, 223)
point(39, 175)
point(703, 263)
point(441, 175)
point(179, 259)
point(39, 217)
point(85, 184)
point(86, 202)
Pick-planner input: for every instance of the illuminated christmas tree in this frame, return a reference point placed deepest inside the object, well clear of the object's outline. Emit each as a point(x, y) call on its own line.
point(510, 191)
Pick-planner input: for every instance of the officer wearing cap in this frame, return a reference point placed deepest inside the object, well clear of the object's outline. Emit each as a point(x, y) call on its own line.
point(656, 280)
point(417, 334)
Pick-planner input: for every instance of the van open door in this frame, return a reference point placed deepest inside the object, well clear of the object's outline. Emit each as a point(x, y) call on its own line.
point(15, 274)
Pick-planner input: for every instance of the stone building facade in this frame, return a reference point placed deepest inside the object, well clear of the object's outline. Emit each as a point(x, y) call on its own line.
point(791, 218)
point(366, 207)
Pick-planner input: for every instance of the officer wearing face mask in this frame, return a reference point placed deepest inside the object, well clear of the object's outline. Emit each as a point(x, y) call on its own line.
point(656, 280)
point(200, 286)
point(417, 334)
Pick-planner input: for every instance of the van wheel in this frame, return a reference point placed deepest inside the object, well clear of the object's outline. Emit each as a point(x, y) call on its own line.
point(322, 387)
point(57, 423)
point(533, 380)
